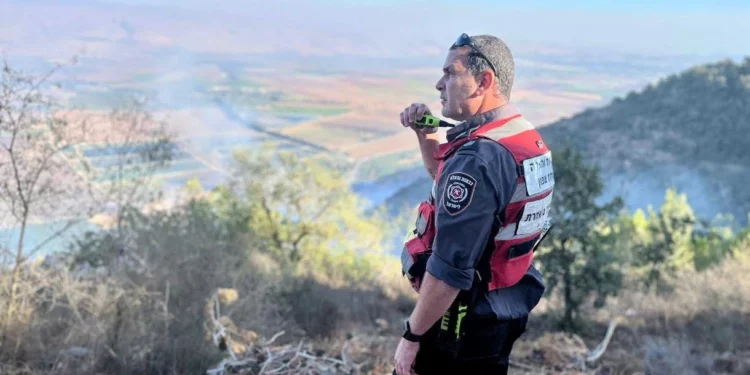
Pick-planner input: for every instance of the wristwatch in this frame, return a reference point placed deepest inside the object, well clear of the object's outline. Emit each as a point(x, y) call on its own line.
point(408, 335)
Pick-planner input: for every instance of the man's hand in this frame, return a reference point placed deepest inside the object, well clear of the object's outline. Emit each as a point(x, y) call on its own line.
point(435, 297)
point(427, 136)
point(406, 352)
point(413, 113)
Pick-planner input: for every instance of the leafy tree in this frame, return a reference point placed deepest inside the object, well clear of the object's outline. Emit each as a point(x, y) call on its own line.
point(580, 256)
point(659, 243)
point(664, 244)
point(741, 245)
point(673, 238)
point(302, 213)
point(714, 241)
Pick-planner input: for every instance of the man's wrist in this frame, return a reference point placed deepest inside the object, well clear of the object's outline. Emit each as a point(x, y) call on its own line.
point(410, 335)
point(426, 136)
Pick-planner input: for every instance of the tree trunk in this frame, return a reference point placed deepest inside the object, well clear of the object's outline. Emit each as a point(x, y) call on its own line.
point(567, 291)
point(15, 279)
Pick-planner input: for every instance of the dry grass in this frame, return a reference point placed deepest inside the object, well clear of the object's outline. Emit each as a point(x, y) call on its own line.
point(359, 351)
point(286, 324)
point(699, 328)
point(64, 324)
point(149, 315)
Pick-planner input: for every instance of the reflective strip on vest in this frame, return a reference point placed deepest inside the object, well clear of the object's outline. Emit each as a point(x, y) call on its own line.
point(406, 261)
point(513, 127)
point(506, 233)
point(520, 193)
point(421, 225)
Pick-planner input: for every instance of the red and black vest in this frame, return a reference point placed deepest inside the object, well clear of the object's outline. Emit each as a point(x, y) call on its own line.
point(520, 224)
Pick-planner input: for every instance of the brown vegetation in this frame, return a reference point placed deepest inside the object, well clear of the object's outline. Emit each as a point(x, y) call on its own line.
point(150, 308)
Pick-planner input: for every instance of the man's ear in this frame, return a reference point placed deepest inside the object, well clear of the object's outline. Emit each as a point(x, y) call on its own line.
point(488, 80)
point(485, 82)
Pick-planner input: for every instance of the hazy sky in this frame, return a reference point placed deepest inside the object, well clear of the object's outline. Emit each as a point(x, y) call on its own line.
point(606, 5)
point(704, 30)
point(719, 27)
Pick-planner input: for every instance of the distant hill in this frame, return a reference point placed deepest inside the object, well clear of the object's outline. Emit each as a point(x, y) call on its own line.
point(699, 116)
point(690, 131)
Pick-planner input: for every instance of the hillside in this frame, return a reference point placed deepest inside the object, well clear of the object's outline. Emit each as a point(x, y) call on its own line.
point(687, 118)
point(688, 131)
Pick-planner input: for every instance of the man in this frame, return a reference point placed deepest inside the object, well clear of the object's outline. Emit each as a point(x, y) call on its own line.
point(487, 211)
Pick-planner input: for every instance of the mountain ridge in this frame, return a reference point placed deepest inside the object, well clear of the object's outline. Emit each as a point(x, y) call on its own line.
point(686, 131)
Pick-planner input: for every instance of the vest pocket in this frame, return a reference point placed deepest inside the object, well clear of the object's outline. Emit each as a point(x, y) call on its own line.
point(510, 261)
point(417, 248)
point(417, 262)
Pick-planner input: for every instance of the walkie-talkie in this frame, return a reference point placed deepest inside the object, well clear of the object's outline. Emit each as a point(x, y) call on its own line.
point(432, 122)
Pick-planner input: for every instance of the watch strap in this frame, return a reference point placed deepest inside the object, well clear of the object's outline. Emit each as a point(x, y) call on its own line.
point(409, 335)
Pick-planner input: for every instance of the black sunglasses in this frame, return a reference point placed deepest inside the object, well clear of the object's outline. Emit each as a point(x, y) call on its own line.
point(465, 40)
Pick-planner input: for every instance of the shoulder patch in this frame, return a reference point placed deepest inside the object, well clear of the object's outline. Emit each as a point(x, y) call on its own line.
point(459, 190)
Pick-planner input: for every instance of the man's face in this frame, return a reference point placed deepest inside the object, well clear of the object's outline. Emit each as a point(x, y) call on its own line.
point(458, 87)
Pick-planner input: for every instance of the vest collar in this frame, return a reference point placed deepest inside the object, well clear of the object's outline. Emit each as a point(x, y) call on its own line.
point(472, 124)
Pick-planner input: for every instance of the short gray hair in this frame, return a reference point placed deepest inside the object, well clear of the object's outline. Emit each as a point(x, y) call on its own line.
point(498, 52)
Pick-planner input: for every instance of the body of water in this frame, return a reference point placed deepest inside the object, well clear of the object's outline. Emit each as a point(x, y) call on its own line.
point(36, 234)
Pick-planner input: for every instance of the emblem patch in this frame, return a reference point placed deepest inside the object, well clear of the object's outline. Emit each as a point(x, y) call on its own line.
point(459, 190)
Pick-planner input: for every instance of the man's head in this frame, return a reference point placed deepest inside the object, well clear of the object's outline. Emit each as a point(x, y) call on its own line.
point(469, 84)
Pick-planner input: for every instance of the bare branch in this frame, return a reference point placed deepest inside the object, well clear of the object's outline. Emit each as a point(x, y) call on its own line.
point(597, 352)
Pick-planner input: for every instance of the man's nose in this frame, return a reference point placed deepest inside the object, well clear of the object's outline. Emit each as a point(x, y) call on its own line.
point(439, 85)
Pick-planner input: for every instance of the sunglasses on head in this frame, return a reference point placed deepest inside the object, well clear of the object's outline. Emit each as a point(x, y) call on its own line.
point(465, 40)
